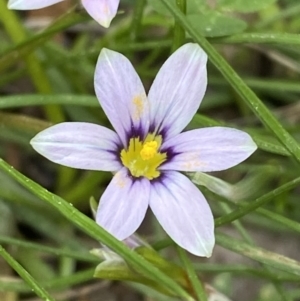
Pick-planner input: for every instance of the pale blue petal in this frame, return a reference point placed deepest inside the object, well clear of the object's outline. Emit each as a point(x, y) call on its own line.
point(123, 204)
point(183, 212)
point(178, 89)
point(30, 4)
point(103, 11)
point(121, 95)
point(208, 149)
point(79, 145)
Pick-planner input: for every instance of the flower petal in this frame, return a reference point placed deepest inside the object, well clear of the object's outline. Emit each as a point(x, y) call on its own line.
point(30, 4)
point(208, 149)
point(123, 204)
point(183, 212)
point(121, 95)
point(103, 11)
point(79, 145)
point(177, 90)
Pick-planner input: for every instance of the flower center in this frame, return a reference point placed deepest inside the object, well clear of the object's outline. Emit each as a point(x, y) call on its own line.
point(142, 158)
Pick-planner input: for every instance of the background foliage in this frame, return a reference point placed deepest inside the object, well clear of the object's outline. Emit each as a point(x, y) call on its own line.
point(47, 62)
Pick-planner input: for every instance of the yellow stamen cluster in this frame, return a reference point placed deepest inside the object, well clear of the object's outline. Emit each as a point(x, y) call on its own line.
point(142, 158)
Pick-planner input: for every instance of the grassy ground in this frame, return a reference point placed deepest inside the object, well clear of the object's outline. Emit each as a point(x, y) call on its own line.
point(47, 62)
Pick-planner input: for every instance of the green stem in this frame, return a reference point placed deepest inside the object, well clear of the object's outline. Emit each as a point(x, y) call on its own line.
point(258, 108)
point(39, 290)
point(194, 279)
point(39, 78)
point(238, 225)
point(137, 18)
point(249, 207)
point(57, 283)
point(78, 255)
point(179, 32)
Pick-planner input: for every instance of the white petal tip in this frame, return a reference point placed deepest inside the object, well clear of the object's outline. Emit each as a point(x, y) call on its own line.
point(104, 23)
point(13, 5)
point(203, 249)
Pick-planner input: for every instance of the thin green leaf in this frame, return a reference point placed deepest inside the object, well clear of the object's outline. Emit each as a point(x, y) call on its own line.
point(192, 275)
point(35, 285)
point(260, 38)
point(253, 205)
point(55, 251)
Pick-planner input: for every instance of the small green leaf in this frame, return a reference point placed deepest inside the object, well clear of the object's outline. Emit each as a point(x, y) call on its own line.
point(244, 6)
point(214, 24)
point(115, 268)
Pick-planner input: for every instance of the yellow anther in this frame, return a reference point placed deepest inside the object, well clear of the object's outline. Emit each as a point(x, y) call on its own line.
point(149, 150)
point(142, 158)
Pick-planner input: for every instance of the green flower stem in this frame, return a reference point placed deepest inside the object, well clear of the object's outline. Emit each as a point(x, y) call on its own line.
point(259, 109)
point(97, 232)
point(179, 32)
point(197, 285)
point(137, 18)
point(36, 287)
point(251, 206)
point(39, 78)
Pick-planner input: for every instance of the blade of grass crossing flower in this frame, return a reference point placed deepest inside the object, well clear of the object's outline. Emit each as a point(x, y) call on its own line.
point(97, 232)
point(195, 281)
point(259, 109)
point(36, 287)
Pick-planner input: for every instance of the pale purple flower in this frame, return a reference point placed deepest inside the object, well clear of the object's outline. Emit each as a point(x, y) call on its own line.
point(148, 150)
point(103, 11)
